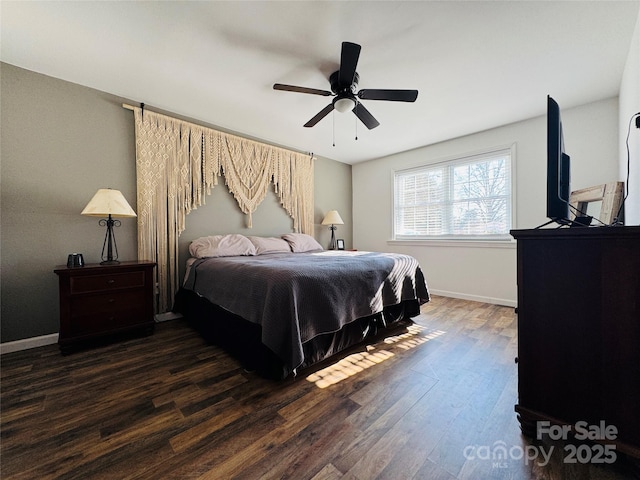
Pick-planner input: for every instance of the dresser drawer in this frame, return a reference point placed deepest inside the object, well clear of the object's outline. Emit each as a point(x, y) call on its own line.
point(112, 281)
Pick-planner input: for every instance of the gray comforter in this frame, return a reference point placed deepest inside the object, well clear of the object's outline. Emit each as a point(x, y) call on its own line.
point(297, 296)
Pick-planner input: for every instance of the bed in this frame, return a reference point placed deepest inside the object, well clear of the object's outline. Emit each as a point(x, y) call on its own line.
point(280, 305)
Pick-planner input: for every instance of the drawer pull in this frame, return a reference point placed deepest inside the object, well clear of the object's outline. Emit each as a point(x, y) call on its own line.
point(112, 300)
point(111, 281)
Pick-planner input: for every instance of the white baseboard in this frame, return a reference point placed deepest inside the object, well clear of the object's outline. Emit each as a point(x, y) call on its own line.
point(27, 343)
point(163, 317)
point(34, 342)
point(475, 298)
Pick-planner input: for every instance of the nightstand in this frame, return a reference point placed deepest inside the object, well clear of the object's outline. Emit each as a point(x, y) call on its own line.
point(101, 300)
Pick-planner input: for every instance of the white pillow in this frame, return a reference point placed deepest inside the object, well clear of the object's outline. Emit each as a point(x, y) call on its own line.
point(221, 246)
point(301, 242)
point(270, 245)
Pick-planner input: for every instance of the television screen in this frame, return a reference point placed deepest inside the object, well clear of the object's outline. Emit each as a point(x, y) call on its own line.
point(558, 167)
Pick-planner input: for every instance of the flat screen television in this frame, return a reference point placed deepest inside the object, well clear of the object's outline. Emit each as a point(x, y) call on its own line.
point(558, 168)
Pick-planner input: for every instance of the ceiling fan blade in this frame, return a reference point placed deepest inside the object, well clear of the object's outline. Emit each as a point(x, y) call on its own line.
point(365, 116)
point(293, 88)
point(323, 113)
point(348, 62)
point(391, 95)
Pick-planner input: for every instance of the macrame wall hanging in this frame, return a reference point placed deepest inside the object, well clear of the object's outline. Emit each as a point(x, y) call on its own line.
point(177, 165)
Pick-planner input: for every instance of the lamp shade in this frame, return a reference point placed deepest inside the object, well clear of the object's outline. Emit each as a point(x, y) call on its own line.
point(108, 202)
point(332, 218)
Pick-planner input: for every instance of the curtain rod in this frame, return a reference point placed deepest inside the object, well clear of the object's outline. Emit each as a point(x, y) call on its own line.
point(142, 106)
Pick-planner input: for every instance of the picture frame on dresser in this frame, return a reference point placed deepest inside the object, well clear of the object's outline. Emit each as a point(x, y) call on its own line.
point(602, 202)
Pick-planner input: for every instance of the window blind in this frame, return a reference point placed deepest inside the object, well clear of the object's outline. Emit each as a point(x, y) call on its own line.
point(466, 197)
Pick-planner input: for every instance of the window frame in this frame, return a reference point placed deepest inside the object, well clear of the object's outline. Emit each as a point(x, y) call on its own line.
point(459, 239)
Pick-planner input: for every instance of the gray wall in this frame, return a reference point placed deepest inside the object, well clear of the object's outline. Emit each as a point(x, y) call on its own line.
point(221, 213)
point(60, 142)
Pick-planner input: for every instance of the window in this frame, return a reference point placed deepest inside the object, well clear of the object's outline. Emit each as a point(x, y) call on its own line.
point(467, 198)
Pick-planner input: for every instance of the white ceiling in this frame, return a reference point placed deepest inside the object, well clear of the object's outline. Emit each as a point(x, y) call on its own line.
point(477, 64)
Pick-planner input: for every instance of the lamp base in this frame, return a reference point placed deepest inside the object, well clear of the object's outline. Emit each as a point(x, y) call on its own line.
point(332, 244)
point(111, 257)
point(110, 262)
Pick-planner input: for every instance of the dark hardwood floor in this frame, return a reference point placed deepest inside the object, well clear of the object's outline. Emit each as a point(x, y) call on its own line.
point(434, 401)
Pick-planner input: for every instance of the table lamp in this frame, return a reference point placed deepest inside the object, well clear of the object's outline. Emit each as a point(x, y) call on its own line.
point(332, 218)
point(112, 203)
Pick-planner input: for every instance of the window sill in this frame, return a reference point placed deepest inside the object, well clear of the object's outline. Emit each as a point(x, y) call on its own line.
point(503, 242)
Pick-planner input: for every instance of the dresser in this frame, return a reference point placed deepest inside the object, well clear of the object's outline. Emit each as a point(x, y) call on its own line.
point(98, 301)
point(579, 329)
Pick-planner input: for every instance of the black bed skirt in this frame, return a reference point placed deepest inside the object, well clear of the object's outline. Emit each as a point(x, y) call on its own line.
point(242, 339)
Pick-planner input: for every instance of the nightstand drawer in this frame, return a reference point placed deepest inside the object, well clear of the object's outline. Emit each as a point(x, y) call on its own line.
point(106, 321)
point(83, 305)
point(98, 283)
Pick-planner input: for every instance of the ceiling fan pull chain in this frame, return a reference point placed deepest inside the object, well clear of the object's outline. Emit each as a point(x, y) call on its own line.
point(334, 127)
point(356, 120)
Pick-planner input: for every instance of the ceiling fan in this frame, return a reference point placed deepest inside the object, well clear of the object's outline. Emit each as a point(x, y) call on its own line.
point(344, 83)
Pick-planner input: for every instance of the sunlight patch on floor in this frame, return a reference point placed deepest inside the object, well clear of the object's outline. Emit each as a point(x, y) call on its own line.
point(412, 338)
point(358, 362)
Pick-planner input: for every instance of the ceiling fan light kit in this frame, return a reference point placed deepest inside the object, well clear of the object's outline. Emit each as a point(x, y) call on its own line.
point(344, 82)
point(344, 104)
